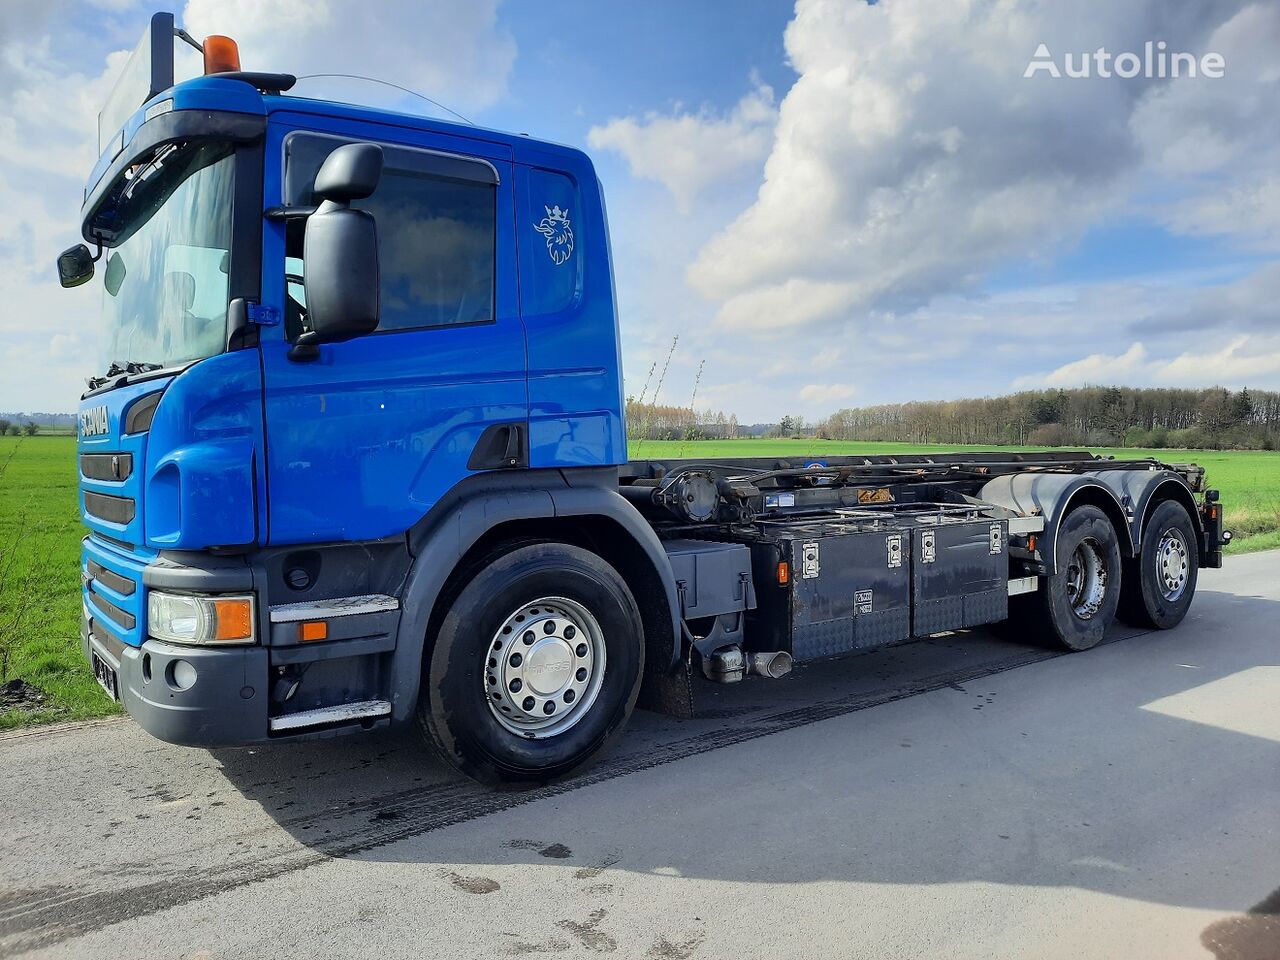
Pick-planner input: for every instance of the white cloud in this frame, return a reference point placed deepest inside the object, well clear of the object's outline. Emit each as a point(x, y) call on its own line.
point(687, 152)
point(1217, 142)
point(1246, 360)
point(911, 157)
point(1093, 369)
point(826, 394)
point(455, 53)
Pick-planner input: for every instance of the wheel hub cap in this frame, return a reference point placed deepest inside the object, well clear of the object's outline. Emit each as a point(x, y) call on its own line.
point(1087, 579)
point(1172, 565)
point(547, 667)
point(544, 667)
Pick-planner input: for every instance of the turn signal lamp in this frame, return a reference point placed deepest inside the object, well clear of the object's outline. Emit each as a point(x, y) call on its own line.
point(784, 574)
point(221, 55)
point(310, 630)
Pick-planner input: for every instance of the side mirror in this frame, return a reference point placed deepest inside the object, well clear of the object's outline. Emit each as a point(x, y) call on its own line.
point(75, 266)
point(340, 249)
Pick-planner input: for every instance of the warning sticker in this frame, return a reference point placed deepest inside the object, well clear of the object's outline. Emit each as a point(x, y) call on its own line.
point(862, 601)
point(894, 546)
point(928, 548)
point(997, 539)
point(808, 561)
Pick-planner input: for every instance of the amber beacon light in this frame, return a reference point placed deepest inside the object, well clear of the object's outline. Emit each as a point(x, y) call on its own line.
point(221, 55)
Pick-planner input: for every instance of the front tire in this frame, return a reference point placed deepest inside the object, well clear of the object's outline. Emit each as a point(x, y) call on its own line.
point(1160, 582)
point(535, 668)
point(1074, 606)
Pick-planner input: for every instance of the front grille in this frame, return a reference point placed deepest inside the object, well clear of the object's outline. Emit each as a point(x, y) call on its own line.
point(125, 620)
point(106, 466)
point(119, 544)
point(106, 636)
point(111, 579)
point(103, 506)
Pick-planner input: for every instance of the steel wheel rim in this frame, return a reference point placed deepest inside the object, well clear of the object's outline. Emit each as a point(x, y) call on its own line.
point(544, 667)
point(1087, 579)
point(1173, 565)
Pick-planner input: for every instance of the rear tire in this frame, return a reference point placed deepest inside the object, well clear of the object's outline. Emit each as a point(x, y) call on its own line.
point(1160, 582)
point(581, 669)
point(1073, 608)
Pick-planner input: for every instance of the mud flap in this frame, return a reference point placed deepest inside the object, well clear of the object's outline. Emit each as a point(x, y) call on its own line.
point(670, 692)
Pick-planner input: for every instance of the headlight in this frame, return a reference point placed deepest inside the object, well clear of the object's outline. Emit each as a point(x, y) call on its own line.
point(182, 618)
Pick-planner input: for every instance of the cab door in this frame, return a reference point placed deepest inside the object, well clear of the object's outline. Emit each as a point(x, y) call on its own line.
point(364, 440)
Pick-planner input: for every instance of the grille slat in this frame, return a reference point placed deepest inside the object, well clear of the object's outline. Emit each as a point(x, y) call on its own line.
point(125, 619)
point(110, 578)
point(104, 506)
point(106, 466)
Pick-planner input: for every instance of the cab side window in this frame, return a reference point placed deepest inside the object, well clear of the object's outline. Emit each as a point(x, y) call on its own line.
point(436, 240)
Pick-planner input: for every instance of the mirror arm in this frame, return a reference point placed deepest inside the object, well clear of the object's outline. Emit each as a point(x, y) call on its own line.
point(300, 212)
point(305, 348)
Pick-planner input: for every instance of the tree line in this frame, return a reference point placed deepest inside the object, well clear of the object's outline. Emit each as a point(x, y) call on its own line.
point(654, 421)
point(9, 428)
point(1213, 418)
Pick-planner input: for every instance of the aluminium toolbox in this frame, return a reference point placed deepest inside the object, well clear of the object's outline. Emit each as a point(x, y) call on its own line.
point(846, 586)
point(866, 577)
point(959, 571)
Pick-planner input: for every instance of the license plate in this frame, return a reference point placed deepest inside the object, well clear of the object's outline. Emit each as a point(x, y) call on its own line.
point(106, 676)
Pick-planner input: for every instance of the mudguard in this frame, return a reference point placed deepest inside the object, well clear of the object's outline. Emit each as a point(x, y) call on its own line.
point(470, 510)
point(1126, 496)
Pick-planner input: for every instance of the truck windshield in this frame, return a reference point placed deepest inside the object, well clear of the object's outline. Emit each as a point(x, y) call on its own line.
point(165, 281)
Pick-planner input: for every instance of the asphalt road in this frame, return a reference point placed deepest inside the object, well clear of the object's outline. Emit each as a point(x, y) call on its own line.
point(964, 797)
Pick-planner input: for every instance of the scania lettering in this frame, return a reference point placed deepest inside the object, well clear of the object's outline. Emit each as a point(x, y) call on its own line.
point(355, 457)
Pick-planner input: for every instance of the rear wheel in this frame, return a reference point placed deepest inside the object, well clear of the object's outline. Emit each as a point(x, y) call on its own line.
point(1160, 582)
point(535, 668)
point(1074, 606)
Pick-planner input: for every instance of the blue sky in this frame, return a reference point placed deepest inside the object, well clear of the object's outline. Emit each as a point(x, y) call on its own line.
point(831, 203)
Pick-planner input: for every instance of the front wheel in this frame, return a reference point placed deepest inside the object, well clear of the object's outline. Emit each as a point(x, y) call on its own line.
point(1160, 582)
point(535, 668)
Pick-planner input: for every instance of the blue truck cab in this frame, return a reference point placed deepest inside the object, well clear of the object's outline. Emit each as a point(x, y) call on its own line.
point(355, 456)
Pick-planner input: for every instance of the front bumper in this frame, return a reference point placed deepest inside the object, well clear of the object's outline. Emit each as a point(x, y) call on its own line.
point(225, 706)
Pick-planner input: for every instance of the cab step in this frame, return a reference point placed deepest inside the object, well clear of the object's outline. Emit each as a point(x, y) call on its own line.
point(321, 716)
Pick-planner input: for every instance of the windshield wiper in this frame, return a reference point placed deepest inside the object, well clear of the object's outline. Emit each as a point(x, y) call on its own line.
point(123, 368)
point(131, 366)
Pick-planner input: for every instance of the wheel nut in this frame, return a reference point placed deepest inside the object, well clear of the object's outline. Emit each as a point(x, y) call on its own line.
point(549, 627)
point(581, 674)
point(516, 659)
point(515, 685)
point(581, 650)
point(527, 703)
point(569, 696)
point(570, 633)
point(528, 638)
point(549, 707)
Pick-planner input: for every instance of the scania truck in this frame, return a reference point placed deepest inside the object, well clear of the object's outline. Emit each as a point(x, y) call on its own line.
point(356, 457)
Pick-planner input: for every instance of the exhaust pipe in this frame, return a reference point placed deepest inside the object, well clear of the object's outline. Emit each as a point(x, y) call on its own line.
point(774, 665)
point(731, 664)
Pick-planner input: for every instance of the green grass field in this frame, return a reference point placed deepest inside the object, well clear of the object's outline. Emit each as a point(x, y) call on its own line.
point(40, 592)
point(40, 546)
